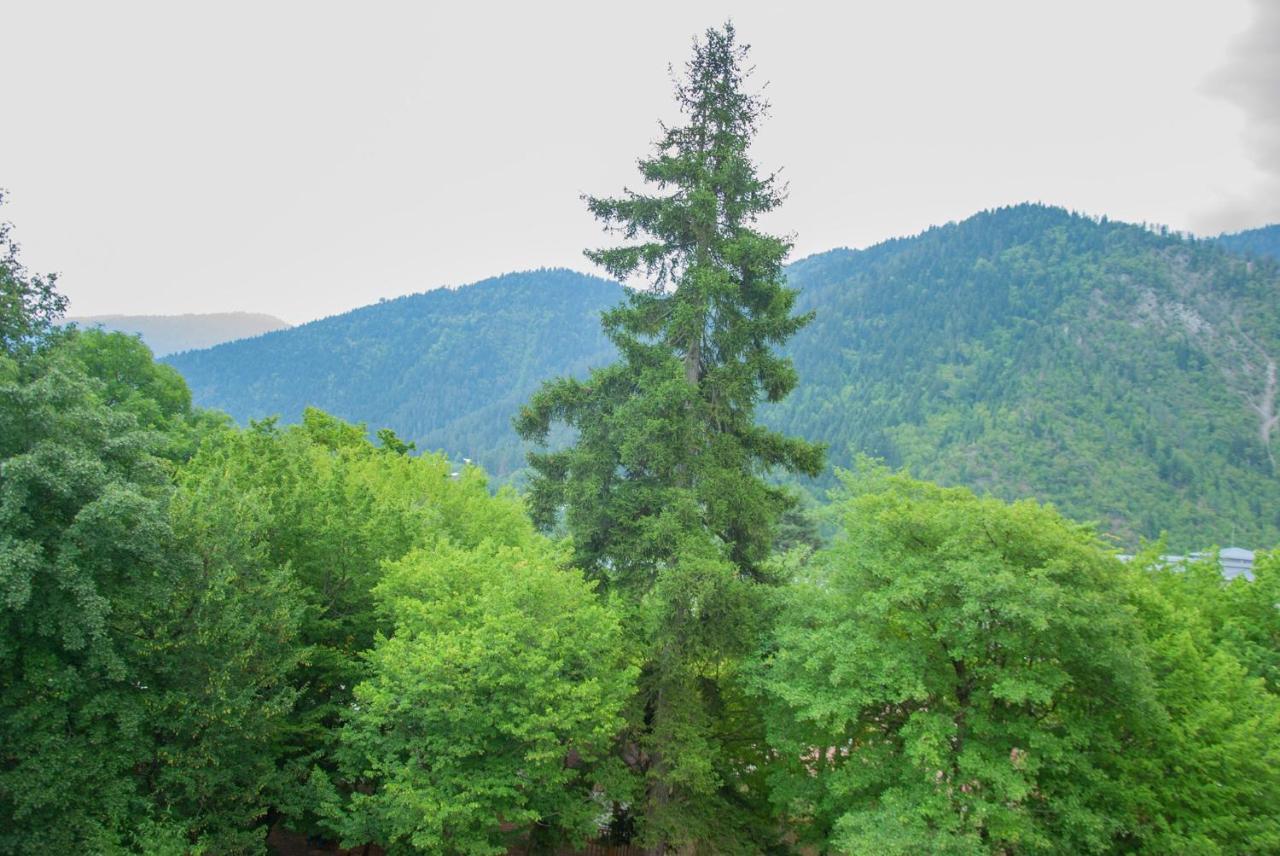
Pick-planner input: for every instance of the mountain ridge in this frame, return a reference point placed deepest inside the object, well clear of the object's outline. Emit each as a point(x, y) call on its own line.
point(1026, 349)
point(471, 334)
point(1261, 242)
point(1017, 351)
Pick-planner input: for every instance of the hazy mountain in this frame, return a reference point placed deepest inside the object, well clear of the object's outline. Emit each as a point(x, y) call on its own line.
point(1126, 375)
point(1254, 242)
point(168, 334)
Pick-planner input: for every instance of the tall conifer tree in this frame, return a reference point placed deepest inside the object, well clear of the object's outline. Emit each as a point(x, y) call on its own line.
point(665, 489)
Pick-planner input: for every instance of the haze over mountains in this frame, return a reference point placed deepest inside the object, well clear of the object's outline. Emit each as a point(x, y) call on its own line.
point(1127, 375)
point(168, 334)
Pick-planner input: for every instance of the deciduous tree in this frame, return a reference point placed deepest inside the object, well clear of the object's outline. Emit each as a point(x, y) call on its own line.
point(489, 705)
point(959, 676)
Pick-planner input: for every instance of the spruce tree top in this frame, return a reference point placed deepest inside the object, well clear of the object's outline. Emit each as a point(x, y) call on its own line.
point(667, 435)
point(715, 283)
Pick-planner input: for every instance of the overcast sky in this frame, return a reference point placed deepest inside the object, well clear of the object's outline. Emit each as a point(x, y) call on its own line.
point(306, 158)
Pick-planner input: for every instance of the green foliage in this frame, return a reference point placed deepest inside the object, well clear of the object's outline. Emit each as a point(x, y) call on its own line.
point(142, 651)
point(664, 488)
point(955, 676)
point(154, 393)
point(182, 630)
point(226, 638)
point(132, 380)
point(498, 690)
point(332, 507)
point(180, 646)
point(82, 544)
point(1239, 614)
point(384, 550)
point(29, 305)
point(1209, 779)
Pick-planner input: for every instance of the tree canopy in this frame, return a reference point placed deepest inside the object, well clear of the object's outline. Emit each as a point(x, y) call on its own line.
point(492, 702)
point(958, 675)
point(227, 640)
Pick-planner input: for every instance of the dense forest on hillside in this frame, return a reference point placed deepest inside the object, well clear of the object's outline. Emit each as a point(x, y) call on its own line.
point(291, 636)
point(1126, 375)
point(1119, 372)
point(1263, 242)
point(446, 369)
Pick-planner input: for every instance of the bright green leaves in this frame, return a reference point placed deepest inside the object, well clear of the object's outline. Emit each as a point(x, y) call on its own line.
point(223, 641)
point(959, 673)
point(323, 501)
point(1209, 782)
point(467, 665)
point(495, 695)
point(179, 658)
point(132, 380)
point(1240, 615)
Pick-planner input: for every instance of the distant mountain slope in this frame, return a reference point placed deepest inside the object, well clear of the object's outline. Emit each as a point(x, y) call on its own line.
point(1255, 242)
point(167, 334)
point(446, 368)
point(1121, 373)
point(1128, 376)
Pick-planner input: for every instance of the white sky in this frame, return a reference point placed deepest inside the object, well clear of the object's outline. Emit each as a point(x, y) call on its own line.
point(306, 158)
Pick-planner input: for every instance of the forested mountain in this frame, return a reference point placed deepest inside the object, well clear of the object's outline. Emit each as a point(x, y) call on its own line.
point(1124, 374)
point(447, 369)
point(168, 334)
point(1128, 376)
point(1255, 242)
point(235, 641)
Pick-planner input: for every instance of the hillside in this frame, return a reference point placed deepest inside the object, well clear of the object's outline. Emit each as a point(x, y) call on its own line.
point(1263, 242)
point(169, 334)
point(1126, 375)
point(447, 368)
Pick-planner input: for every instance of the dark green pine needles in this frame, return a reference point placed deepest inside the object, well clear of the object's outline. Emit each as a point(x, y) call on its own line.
point(664, 490)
